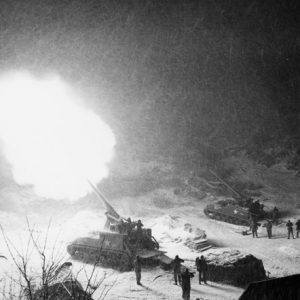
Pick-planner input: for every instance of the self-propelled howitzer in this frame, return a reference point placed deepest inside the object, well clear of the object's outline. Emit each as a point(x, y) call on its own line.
point(118, 246)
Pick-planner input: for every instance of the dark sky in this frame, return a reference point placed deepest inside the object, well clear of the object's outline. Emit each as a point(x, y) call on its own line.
point(168, 76)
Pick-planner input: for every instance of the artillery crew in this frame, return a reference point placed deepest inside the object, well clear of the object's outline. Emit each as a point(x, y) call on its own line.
point(269, 229)
point(289, 226)
point(139, 231)
point(139, 225)
point(202, 268)
point(298, 228)
point(129, 226)
point(138, 270)
point(255, 210)
point(275, 215)
point(177, 269)
point(254, 227)
point(186, 284)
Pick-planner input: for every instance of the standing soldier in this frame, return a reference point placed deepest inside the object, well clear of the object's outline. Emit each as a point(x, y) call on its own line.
point(138, 269)
point(298, 227)
point(129, 226)
point(139, 226)
point(275, 215)
point(176, 268)
point(254, 227)
point(269, 229)
point(139, 231)
point(186, 284)
point(202, 268)
point(289, 226)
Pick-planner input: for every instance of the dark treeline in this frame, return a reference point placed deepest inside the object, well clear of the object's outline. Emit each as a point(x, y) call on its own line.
point(170, 77)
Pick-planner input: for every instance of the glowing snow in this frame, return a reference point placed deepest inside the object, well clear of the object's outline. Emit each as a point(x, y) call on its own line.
point(50, 140)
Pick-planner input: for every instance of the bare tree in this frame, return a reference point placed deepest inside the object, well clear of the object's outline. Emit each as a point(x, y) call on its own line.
point(53, 279)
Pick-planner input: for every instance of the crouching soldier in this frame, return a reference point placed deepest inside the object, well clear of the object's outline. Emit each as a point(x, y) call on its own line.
point(177, 269)
point(202, 268)
point(138, 270)
point(186, 284)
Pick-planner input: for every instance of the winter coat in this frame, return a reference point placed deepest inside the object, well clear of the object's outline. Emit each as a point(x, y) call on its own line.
point(177, 263)
point(186, 280)
point(289, 226)
point(201, 264)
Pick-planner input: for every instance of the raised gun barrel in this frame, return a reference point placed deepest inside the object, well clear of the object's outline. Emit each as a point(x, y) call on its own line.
point(110, 210)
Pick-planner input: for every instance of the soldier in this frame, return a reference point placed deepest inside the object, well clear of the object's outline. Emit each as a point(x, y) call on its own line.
point(139, 231)
point(129, 226)
point(269, 229)
point(202, 268)
point(121, 227)
point(139, 226)
point(254, 210)
point(298, 227)
point(289, 226)
point(275, 215)
point(138, 270)
point(254, 227)
point(176, 268)
point(262, 213)
point(186, 284)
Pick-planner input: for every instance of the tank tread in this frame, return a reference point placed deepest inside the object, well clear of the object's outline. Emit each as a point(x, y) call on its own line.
point(109, 259)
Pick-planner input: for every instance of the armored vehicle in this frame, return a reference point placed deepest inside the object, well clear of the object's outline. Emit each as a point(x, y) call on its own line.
point(238, 210)
point(119, 245)
point(115, 250)
point(230, 213)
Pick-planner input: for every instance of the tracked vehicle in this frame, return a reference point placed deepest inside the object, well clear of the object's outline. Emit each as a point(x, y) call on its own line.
point(115, 250)
point(119, 245)
point(231, 213)
point(239, 210)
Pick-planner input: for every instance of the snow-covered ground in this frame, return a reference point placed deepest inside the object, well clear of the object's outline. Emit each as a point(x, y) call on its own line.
point(169, 215)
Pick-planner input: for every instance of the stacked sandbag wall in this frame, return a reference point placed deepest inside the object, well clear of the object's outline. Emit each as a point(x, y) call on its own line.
point(234, 267)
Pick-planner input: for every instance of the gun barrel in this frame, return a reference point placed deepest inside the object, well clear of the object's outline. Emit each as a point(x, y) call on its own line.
point(108, 207)
point(226, 184)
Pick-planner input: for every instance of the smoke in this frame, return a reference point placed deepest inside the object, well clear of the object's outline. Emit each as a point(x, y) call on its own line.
point(50, 139)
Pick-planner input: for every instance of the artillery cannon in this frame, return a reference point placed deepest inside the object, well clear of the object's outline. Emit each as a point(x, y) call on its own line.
point(118, 246)
point(230, 213)
point(241, 211)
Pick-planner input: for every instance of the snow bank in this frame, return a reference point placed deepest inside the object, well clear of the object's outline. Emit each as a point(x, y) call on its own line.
point(173, 229)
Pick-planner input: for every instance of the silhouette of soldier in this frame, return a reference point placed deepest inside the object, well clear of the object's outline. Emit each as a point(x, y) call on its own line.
point(275, 215)
point(129, 226)
point(138, 270)
point(139, 231)
point(139, 225)
point(298, 227)
point(186, 284)
point(254, 227)
point(177, 269)
point(289, 226)
point(202, 268)
point(269, 229)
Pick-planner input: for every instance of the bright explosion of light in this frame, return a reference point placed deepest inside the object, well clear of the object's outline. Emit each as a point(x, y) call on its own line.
point(50, 140)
